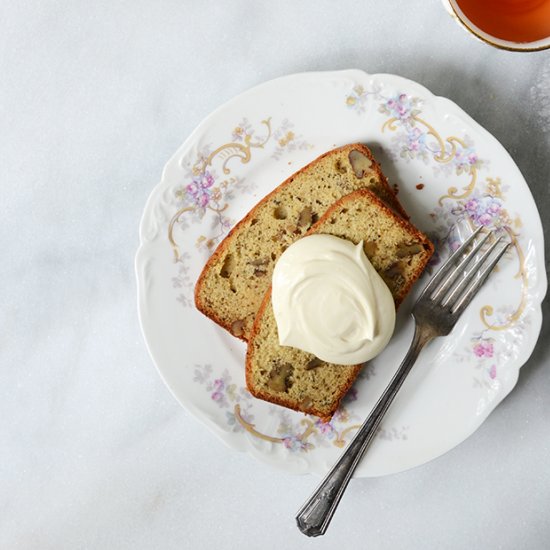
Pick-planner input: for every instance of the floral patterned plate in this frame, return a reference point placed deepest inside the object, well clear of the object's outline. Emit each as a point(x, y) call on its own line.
point(449, 172)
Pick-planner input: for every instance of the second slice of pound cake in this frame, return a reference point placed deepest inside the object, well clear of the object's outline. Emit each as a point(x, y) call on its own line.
point(298, 380)
point(233, 282)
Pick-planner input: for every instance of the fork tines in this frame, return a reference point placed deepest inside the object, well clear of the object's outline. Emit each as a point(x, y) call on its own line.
point(461, 276)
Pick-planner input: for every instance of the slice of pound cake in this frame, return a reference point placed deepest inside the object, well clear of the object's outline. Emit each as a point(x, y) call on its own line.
point(298, 380)
point(231, 286)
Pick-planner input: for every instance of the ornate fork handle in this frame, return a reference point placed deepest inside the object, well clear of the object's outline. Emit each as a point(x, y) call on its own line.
point(436, 312)
point(315, 515)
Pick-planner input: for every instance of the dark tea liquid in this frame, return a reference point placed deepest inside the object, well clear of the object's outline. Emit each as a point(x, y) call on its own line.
point(513, 20)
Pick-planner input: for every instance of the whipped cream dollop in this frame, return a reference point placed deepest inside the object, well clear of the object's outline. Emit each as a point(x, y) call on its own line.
point(328, 300)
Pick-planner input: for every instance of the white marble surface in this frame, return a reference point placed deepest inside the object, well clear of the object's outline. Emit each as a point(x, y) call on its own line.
point(95, 453)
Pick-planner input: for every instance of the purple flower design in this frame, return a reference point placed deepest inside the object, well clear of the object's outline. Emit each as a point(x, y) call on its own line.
point(416, 139)
point(199, 189)
point(484, 349)
point(325, 428)
point(218, 386)
point(465, 160)
point(294, 443)
point(415, 143)
point(493, 372)
point(484, 210)
point(401, 107)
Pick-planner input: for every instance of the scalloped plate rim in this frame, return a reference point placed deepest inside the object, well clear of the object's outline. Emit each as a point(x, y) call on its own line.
point(226, 437)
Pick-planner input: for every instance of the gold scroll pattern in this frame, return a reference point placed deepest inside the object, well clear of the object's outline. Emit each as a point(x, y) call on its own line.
point(448, 148)
point(223, 153)
point(302, 438)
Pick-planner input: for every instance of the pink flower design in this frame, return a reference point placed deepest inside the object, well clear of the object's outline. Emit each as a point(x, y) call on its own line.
point(484, 210)
point(416, 140)
point(192, 188)
point(465, 160)
point(217, 396)
point(471, 206)
point(218, 386)
point(400, 107)
point(485, 219)
point(494, 208)
point(324, 427)
point(484, 349)
point(294, 443)
point(493, 372)
point(199, 189)
point(288, 442)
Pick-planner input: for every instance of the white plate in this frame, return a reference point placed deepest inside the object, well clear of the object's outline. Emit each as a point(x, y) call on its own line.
point(446, 167)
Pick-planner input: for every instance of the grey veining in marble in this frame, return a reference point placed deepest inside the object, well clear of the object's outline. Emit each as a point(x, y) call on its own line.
point(94, 451)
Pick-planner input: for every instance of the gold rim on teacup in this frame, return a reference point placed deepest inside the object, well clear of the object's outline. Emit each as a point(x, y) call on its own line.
point(460, 17)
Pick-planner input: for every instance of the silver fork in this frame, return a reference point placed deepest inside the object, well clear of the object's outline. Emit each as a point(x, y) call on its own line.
point(436, 312)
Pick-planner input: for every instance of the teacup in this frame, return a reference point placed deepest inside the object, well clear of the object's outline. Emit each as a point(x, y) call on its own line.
point(517, 25)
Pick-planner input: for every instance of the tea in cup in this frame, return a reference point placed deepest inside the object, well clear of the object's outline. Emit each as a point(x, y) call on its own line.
point(519, 25)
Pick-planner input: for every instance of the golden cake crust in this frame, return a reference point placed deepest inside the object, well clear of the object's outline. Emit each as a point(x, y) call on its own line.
point(282, 375)
point(234, 280)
